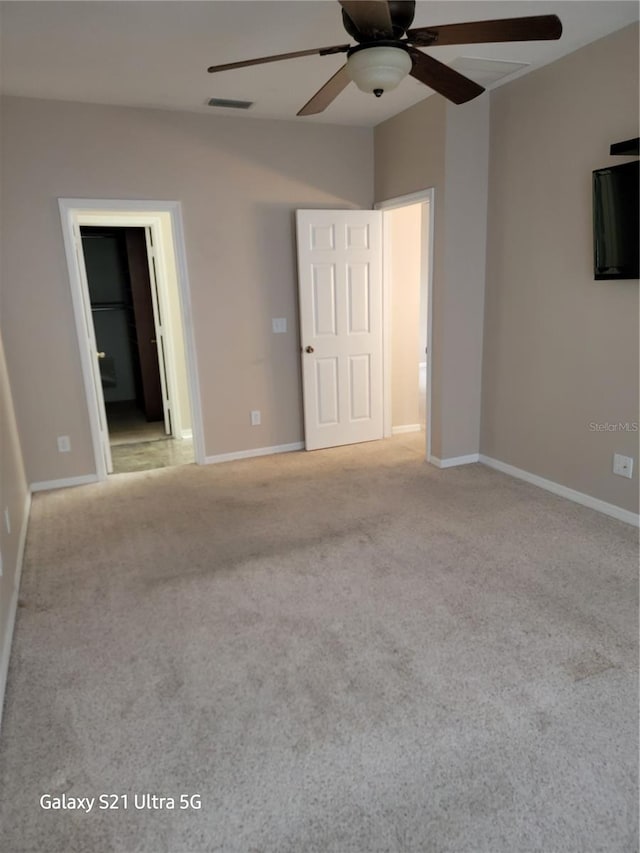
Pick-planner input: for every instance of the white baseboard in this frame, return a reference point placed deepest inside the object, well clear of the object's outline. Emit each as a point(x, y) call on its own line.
point(452, 461)
point(258, 451)
point(399, 430)
point(563, 491)
point(13, 606)
point(45, 485)
point(186, 434)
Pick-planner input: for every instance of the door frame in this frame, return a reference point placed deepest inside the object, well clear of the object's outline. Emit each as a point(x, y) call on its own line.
point(427, 251)
point(75, 212)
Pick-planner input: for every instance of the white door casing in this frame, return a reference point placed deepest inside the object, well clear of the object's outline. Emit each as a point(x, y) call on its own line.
point(340, 288)
point(161, 342)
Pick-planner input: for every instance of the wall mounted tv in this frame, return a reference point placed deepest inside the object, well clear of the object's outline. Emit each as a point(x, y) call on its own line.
point(615, 222)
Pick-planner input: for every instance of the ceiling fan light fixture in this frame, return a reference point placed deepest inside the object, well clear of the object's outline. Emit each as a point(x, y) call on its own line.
point(376, 69)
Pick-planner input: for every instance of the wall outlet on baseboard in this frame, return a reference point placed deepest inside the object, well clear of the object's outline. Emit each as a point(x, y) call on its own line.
point(255, 418)
point(64, 444)
point(623, 465)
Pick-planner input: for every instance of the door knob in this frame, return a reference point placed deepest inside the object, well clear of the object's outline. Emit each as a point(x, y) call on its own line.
point(101, 354)
point(309, 349)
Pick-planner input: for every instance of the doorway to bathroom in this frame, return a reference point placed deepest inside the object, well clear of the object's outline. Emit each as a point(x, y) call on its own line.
point(408, 227)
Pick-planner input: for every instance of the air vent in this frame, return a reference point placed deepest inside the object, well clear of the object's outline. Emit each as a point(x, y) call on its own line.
point(229, 104)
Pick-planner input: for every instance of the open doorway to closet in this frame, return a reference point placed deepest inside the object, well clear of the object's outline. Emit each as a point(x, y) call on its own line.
point(127, 319)
point(130, 292)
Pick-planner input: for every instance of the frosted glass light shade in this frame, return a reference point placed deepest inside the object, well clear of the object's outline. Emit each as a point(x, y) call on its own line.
point(376, 69)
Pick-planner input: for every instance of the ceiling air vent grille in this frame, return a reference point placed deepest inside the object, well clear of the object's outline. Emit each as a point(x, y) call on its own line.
point(229, 104)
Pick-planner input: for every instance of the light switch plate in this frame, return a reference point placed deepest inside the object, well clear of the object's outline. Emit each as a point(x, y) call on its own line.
point(279, 325)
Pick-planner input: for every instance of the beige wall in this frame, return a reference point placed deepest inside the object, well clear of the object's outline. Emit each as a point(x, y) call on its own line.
point(434, 144)
point(460, 320)
point(239, 182)
point(561, 350)
point(13, 496)
point(410, 150)
point(405, 231)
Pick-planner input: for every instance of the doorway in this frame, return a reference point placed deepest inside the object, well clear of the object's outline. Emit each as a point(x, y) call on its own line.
point(408, 270)
point(131, 304)
point(365, 284)
point(132, 362)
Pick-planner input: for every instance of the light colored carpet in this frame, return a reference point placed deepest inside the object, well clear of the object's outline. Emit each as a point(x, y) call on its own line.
point(346, 651)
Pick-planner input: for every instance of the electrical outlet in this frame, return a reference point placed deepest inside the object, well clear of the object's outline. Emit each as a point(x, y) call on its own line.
point(7, 519)
point(255, 418)
point(64, 444)
point(279, 325)
point(623, 465)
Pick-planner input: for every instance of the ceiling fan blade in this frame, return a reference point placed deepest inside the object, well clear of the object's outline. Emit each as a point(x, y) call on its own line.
point(535, 28)
point(322, 51)
point(372, 18)
point(438, 76)
point(324, 96)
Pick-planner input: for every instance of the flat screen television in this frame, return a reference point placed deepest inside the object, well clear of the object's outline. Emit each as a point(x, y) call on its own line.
point(615, 222)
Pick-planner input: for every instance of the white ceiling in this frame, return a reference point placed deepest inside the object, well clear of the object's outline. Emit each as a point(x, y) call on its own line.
point(155, 54)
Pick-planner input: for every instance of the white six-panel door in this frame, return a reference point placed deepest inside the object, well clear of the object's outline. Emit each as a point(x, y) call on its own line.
point(340, 283)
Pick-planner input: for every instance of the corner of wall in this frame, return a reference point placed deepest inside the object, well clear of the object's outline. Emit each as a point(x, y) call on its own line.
point(15, 502)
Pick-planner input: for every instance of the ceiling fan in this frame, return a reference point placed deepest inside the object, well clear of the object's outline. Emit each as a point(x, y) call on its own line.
point(387, 50)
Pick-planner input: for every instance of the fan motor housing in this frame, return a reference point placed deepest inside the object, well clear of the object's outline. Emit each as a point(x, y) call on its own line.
point(402, 13)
